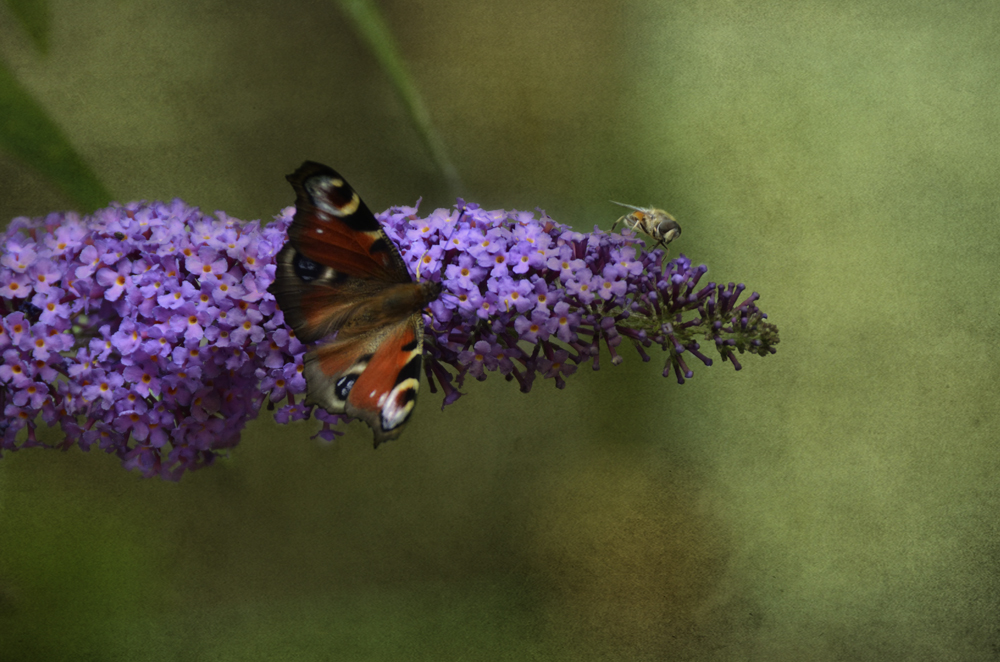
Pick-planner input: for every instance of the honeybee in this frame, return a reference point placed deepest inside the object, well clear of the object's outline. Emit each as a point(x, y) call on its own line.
point(657, 223)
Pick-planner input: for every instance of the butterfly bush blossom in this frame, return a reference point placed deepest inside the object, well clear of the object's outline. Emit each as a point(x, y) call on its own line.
point(148, 331)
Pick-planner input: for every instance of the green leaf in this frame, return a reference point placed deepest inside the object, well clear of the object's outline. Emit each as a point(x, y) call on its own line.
point(29, 134)
point(374, 31)
point(34, 17)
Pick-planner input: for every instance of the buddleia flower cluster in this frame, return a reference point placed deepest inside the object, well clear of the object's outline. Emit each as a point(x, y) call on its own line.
point(528, 297)
point(147, 330)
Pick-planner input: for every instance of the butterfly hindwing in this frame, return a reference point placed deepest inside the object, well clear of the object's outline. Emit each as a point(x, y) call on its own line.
point(374, 378)
point(339, 275)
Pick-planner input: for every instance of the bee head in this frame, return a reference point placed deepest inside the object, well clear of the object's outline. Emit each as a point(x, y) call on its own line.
point(668, 229)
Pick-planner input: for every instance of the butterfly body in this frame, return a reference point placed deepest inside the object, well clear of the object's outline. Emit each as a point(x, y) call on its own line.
point(340, 280)
point(657, 223)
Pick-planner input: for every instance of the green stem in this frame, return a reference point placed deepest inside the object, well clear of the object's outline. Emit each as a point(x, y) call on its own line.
point(374, 31)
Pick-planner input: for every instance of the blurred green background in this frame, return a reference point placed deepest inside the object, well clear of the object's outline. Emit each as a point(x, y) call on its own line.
point(836, 501)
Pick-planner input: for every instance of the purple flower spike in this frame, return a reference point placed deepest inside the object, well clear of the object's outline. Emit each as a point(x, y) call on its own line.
point(147, 329)
point(568, 295)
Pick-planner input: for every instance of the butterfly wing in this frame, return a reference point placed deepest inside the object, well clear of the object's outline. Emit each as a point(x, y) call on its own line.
point(337, 254)
point(374, 378)
point(340, 274)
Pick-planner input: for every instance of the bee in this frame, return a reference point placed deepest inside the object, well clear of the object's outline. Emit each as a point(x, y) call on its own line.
point(657, 223)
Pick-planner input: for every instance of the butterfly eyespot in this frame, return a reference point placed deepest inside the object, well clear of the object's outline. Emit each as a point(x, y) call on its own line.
point(306, 269)
point(344, 385)
point(398, 406)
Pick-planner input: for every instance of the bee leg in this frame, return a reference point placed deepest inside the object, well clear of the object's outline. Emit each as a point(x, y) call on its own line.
point(615, 224)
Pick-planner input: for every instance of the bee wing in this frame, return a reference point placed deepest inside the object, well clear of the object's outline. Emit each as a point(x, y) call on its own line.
point(622, 204)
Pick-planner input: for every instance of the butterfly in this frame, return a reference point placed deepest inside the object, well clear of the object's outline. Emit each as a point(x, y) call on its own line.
point(341, 280)
point(657, 223)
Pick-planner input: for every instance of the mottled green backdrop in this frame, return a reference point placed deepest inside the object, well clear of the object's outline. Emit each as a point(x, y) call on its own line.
point(836, 501)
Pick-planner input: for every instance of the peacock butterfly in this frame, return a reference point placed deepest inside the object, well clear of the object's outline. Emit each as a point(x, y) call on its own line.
point(341, 280)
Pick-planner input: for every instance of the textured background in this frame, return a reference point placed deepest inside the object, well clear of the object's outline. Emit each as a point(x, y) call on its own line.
point(836, 501)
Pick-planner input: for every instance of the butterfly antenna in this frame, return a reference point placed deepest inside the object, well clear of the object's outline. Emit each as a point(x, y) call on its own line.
point(419, 260)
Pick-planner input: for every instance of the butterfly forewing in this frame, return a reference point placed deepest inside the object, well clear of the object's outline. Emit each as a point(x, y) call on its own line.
point(333, 226)
point(340, 277)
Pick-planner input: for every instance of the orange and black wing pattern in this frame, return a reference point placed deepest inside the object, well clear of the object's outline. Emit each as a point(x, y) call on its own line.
point(340, 279)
